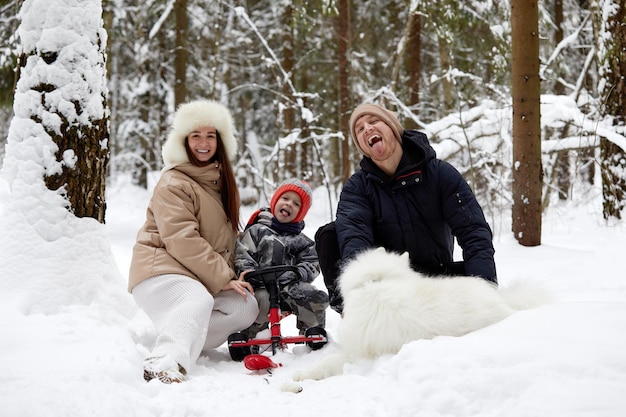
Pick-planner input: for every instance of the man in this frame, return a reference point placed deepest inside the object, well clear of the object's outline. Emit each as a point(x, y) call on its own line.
point(406, 200)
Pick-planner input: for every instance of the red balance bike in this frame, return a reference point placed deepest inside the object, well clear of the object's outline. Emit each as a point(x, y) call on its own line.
point(242, 348)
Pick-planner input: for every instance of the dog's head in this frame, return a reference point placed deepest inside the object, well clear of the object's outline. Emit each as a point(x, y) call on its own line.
point(373, 265)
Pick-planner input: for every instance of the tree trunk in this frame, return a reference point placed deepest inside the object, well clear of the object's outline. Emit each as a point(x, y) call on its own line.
point(307, 170)
point(562, 165)
point(527, 169)
point(180, 53)
point(112, 81)
point(413, 64)
point(446, 82)
point(66, 99)
point(613, 157)
point(345, 105)
point(288, 112)
point(408, 58)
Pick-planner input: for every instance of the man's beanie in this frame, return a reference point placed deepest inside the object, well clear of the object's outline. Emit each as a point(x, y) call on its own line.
point(383, 114)
point(192, 115)
point(299, 187)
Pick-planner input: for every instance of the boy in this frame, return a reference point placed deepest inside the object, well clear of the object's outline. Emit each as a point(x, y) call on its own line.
point(272, 237)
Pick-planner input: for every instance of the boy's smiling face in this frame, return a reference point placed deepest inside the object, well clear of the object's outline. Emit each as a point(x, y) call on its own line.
point(287, 207)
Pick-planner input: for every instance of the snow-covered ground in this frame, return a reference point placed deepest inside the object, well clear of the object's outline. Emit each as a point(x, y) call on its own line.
point(72, 339)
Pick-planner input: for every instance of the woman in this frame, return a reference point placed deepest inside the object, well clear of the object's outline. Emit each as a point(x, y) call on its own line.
point(181, 272)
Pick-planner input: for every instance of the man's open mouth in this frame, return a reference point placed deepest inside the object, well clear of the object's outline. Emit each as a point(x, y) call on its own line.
point(373, 140)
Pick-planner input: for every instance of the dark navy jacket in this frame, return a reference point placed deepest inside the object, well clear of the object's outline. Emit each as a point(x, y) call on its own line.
point(421, 209)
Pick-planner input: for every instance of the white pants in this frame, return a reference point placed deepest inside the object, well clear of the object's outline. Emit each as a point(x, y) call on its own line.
point(188, 318)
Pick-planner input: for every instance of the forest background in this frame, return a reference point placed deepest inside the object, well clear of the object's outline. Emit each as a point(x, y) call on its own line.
point(292, 71)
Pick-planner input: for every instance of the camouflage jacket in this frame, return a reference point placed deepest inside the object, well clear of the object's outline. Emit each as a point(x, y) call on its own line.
point(265, 242)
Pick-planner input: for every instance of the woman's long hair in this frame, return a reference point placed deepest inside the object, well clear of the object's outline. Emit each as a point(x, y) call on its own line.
point(228, 186)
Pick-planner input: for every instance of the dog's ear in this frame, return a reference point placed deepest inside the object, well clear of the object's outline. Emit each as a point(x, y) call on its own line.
point(405, 258)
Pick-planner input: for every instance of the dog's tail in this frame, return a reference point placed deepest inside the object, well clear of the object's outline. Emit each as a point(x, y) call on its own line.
point(524, 295)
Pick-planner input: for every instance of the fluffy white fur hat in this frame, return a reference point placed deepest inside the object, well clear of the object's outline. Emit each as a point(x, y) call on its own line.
point(192, 115)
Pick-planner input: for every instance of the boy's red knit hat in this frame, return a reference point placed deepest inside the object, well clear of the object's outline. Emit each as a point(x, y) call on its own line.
point(299, 187)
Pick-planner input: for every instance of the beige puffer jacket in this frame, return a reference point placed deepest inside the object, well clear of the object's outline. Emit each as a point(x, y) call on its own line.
point(186, 231)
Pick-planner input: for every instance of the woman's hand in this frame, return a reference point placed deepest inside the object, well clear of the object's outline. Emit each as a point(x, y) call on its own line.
point(240, 286)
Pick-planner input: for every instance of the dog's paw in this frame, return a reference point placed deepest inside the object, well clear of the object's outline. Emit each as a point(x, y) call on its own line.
point(314, 373)
point(290, 386)
point(328, 366)
point(303, 375)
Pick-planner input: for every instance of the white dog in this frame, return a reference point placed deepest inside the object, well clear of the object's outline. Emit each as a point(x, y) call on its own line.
point(387, 304)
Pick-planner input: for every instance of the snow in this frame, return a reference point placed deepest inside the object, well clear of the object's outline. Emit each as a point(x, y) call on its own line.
point(73, 340)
